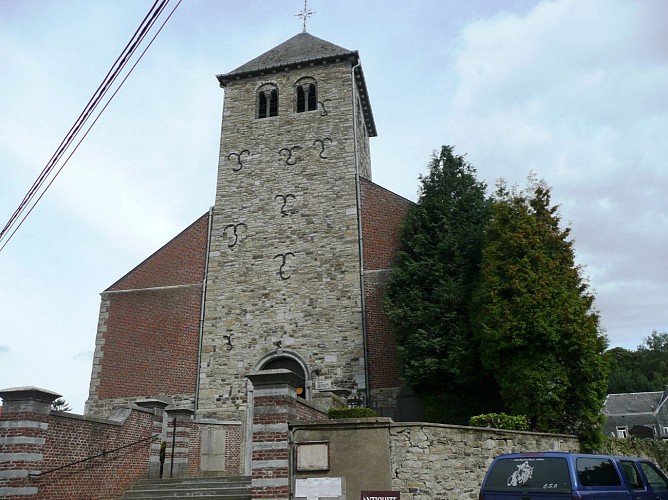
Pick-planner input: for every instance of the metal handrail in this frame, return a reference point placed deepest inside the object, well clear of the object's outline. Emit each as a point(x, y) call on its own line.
point(104, 452)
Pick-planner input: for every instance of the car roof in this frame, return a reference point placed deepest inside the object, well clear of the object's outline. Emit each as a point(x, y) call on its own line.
point(564, 454)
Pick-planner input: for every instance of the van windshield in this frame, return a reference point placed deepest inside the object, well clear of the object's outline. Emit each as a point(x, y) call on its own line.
point(529, 473)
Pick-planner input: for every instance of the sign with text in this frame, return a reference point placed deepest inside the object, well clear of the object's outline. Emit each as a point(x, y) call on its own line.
point(381, 495)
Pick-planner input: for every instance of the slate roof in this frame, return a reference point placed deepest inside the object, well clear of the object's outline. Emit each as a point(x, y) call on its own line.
point(300, 50)
point(632, 402)
point(639, 412)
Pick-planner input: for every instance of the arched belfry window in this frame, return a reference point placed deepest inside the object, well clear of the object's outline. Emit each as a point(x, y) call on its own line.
point(267, 101)
point(307, 98)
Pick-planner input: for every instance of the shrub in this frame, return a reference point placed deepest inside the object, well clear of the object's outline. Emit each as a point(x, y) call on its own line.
point(336, 413)
point(654, 449)
point(500, 421)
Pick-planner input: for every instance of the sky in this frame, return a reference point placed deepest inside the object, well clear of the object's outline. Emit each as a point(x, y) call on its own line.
point(573, 91)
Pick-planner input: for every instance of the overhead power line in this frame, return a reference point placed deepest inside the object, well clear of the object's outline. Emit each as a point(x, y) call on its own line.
point(148, 29)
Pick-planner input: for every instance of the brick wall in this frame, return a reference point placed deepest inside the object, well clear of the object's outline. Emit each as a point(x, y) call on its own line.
point(275, 404)
point(233, 443)
point(33, 443)
point(308, 412)
point(148, 330)
point(382, 215)
point(383, 212)
point(54, 455)
point(151, 343)
point(179, 262)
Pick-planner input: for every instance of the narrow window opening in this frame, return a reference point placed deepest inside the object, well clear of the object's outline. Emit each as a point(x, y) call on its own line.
point(301, 100)
point(262, 106)
point(312, 101)
point(273, 103)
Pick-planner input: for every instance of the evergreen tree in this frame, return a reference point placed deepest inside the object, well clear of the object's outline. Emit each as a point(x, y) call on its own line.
point(60, 404)
point(427, 297)
point(538, 332)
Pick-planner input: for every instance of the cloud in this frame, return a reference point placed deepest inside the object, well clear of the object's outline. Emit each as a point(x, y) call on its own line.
point(575, 91)
point(84, 355)
point(4, 349)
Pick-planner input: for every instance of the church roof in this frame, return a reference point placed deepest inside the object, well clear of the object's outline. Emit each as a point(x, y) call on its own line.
point(304, 49)
point(301, 48)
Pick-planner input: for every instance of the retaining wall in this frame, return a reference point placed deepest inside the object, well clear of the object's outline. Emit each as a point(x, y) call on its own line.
point(419, 460)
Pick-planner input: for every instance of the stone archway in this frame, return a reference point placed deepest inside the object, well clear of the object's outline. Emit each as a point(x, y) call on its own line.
point(288, 360)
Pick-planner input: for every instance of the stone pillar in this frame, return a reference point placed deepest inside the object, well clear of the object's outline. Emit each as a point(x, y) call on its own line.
point(159, 427)
point(23, 428)
point(274, 404)
point(178, 441)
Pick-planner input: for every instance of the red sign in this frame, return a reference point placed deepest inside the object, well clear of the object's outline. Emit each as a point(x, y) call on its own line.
point(381, 495)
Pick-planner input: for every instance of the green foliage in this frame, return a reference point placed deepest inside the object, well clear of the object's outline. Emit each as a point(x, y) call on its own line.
point(642, 370)
point(539, 335)
point(60, 404)
point(163, 451)
point(337, 413)
point(489, 309)
point(500, 421)
point(654, 449)
point(455, 407)
point(428, 294)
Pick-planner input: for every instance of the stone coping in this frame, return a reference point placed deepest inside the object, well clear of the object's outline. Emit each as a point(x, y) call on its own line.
point(279, 376)
point(388, 422)
point(28, 392)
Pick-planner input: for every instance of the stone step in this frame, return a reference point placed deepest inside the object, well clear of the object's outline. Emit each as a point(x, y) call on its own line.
point(228, 488)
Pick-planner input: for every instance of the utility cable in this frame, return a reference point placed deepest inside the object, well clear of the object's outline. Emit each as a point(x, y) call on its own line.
point(116, 69)
point(92, 103)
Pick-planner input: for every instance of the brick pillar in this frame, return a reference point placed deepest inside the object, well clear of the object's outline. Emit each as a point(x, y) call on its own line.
point(178, 441)
point(23, 428)
point(274, 404)
point(159, 427)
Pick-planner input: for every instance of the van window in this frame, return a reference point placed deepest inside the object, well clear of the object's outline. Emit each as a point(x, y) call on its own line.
point(632, 474)
point(529, 473)
point(597, 472)
point(656, 478)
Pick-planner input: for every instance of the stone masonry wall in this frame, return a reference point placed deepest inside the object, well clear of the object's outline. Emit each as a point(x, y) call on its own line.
point(431, 461)
point(284, 259)
point(421, 461)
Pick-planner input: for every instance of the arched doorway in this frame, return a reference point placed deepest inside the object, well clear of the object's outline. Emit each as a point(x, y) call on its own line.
point(288, 361)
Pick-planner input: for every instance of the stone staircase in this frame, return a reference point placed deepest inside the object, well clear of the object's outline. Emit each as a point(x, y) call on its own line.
point(228, 488)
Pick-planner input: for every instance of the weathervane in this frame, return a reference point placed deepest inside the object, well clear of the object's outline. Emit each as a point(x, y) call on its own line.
point(305, 14)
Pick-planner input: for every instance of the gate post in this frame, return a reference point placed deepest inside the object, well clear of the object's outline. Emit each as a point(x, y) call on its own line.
point(274, 404)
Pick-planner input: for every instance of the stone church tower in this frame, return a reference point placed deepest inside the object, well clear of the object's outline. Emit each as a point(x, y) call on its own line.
point(284, 287)
point(285, 271)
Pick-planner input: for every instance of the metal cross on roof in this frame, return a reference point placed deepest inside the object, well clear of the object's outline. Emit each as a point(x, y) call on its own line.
point(305, 14)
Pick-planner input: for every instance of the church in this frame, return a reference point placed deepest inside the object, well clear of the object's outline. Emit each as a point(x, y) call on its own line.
point(217, 357)
point(286, 270)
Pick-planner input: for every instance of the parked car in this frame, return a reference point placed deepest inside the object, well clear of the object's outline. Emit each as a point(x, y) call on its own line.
point(568, 476)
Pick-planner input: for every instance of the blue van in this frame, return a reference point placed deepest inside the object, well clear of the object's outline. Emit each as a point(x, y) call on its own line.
point(568, 476)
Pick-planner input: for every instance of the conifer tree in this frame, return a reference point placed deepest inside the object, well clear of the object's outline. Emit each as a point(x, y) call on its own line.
point(427, 297)
point(538, 332)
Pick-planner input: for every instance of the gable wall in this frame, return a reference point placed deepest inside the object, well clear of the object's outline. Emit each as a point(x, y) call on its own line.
point(382, 215)
point(148, 329)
